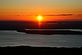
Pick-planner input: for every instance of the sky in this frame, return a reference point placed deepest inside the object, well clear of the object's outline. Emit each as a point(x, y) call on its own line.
point(20, 9)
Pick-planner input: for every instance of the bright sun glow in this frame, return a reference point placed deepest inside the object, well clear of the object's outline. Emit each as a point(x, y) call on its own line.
point(39, 18)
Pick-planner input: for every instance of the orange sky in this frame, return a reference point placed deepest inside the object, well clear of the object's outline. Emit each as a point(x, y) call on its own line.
point(20, 9)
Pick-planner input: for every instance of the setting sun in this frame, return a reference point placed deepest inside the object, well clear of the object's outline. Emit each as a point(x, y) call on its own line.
point(39, 18)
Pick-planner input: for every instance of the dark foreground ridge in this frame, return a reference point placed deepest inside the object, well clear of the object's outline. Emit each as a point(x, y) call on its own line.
point(39, 50)
point(36, 48)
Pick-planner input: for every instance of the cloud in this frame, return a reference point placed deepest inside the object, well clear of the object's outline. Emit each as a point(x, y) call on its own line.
point(60, 15)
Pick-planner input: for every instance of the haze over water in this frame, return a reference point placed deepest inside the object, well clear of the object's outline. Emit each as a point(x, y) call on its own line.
point(13, 38)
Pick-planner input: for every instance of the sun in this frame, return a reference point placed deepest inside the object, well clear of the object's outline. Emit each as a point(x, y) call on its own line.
point(39, 18)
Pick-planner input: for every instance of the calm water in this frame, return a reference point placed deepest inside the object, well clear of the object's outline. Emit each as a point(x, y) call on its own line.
point(13, 38)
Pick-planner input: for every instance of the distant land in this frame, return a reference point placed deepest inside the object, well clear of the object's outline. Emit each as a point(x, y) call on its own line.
point(13, 25)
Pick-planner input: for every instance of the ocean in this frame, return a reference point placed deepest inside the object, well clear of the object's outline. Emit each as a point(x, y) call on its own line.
point(14, 38)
